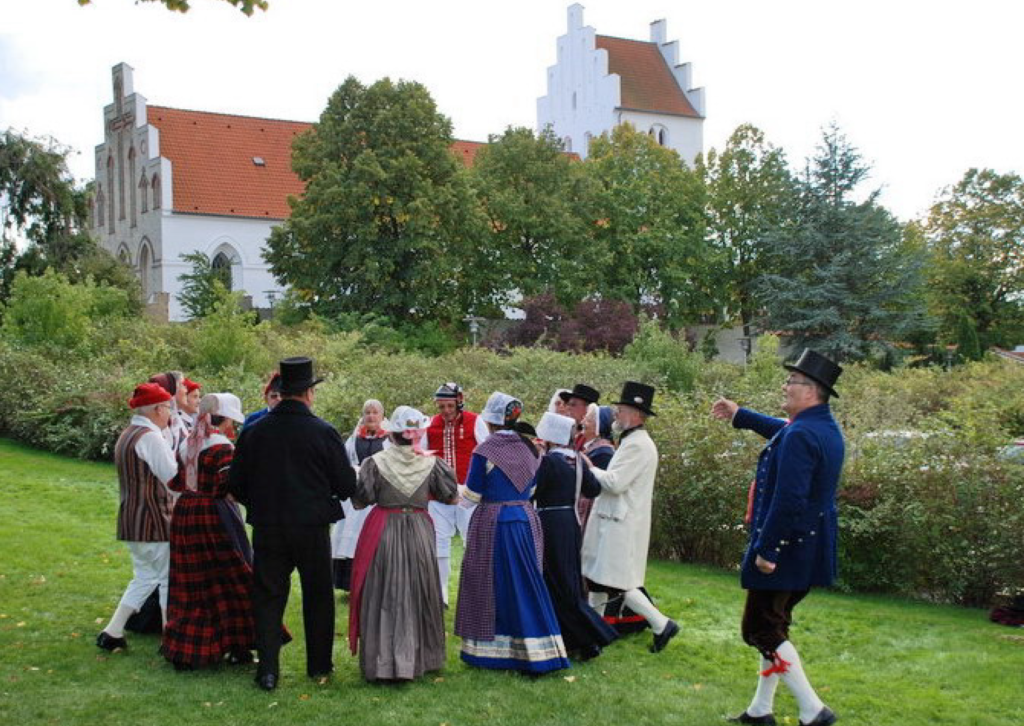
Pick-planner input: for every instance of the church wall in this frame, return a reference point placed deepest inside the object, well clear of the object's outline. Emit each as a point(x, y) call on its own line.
point(242, 240)
point(685, 135)
point(582, 96)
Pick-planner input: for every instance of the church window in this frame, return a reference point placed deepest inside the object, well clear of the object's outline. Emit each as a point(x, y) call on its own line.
point(144, 192)
point(156, 191)
point(574, 100)
point(222, 267)
point(131, 176)
point(123, 255)
point(660, 134)
point(567, 143)
point(110, 187)
point(587, 138)
point(144, 270)
point(100, 206)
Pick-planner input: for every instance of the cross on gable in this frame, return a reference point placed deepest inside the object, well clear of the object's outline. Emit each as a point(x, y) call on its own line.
point(123, 119)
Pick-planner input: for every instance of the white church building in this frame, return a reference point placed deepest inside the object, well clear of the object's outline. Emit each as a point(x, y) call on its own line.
point(600, 81)
point(170, 181)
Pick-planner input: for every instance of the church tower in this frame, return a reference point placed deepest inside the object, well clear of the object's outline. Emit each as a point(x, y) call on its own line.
point(601, 81)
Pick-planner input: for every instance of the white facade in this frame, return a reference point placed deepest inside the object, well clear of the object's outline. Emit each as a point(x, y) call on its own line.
point(135, 220)
point(584, 100)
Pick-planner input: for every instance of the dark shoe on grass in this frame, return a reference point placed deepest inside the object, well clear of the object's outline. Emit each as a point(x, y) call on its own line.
point(266, 681)
point(661, 639)
point(109, 642)
point(766, 720)
point(825, 717)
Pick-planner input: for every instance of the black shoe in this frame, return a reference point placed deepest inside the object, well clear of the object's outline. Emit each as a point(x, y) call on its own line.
point(183, 666)
point(267, 681)
point(320, 675)
point(591, 651)
point(109, 642)
point(661, 639)
point(825, 717)
point(766, 720)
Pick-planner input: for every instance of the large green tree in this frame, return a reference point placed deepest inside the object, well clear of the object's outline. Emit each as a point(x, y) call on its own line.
point(750, 194)
point(975, 235)
point(183, 6)
point(532, 195)
point(44, 217)
point(844, 281)
point(647, 227)
point(388, 223)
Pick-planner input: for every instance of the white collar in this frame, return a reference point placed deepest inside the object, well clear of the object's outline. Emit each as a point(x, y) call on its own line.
point(215, 439)
point(564, 451)
point(139, 420)
point(505, 432)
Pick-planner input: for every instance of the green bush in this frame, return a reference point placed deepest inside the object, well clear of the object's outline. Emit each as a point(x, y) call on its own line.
point(48, 310)
point(926, 508)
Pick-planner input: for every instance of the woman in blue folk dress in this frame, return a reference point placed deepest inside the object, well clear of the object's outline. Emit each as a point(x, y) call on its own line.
point(505, 616)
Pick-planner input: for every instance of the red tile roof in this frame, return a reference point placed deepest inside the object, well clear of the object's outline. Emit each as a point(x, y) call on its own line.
point(647, 82)
point(212, 157)
point(212, 161)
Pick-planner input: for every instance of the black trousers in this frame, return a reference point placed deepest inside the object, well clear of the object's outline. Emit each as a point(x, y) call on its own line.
point(767, 616)
point(277, 551)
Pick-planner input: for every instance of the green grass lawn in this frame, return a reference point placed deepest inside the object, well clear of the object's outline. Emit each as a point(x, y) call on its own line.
point(875, 660)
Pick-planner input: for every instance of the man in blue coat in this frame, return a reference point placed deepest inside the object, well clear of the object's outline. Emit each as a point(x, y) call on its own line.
point(793, 528)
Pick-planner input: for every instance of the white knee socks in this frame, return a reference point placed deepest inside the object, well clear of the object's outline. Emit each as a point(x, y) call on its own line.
point(796, 681)
point(597, 601)
point(639, 603)
point(115, 628)
point(444, 569)
point(764, 696)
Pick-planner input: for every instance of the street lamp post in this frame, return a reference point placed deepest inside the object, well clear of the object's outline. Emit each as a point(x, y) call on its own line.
point(474, 325)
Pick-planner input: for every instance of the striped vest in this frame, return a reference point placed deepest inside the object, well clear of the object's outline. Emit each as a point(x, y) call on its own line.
point(146, 504)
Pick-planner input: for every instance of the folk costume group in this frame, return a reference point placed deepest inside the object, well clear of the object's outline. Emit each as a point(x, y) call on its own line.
point(556, 524)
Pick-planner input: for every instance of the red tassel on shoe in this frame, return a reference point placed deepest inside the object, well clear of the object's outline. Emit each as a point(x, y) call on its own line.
point(779, 666)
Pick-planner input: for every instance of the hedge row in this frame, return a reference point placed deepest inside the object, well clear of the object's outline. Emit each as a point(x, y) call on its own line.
point(927, 507)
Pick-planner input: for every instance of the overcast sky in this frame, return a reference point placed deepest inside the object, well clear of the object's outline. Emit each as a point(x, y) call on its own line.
point(925, 89)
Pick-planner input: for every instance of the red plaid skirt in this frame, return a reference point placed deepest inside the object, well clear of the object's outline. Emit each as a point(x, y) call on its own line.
point(209, 611)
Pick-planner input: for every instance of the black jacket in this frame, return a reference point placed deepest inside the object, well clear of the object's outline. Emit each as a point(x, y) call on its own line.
point(290, 469)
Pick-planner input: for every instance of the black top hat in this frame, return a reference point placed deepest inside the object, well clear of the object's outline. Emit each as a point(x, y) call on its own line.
point(817, 367)
point(297, 375)
point(581, 391)
point(637, 395)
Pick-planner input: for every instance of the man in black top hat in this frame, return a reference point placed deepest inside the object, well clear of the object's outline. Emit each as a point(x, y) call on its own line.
point(793, 528)
point(576, 402)
point(291, 473)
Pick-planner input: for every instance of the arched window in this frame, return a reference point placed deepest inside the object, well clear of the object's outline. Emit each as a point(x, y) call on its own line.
point(144, 192)
point(574, 100)
point(660, 134)
point(222, 267)
point(587, 138)
point(567, 143)
point(100, 206)
point(156, 191)
point(131, 176)
point(124, 255)
point(110, 186)
point(144, 270)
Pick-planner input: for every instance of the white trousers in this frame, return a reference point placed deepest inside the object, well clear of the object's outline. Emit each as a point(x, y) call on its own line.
point(449, 518)
point(151, 564)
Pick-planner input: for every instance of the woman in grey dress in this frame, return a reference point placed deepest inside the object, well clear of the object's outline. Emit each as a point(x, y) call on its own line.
point(396, 614)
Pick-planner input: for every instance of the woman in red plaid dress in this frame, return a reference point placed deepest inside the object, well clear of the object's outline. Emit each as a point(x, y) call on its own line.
point(209, 613)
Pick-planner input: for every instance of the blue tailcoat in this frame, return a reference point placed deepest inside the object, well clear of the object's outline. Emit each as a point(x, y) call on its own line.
point(794, 520)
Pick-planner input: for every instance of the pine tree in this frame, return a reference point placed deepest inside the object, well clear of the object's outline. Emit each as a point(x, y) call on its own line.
point(845, 284)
